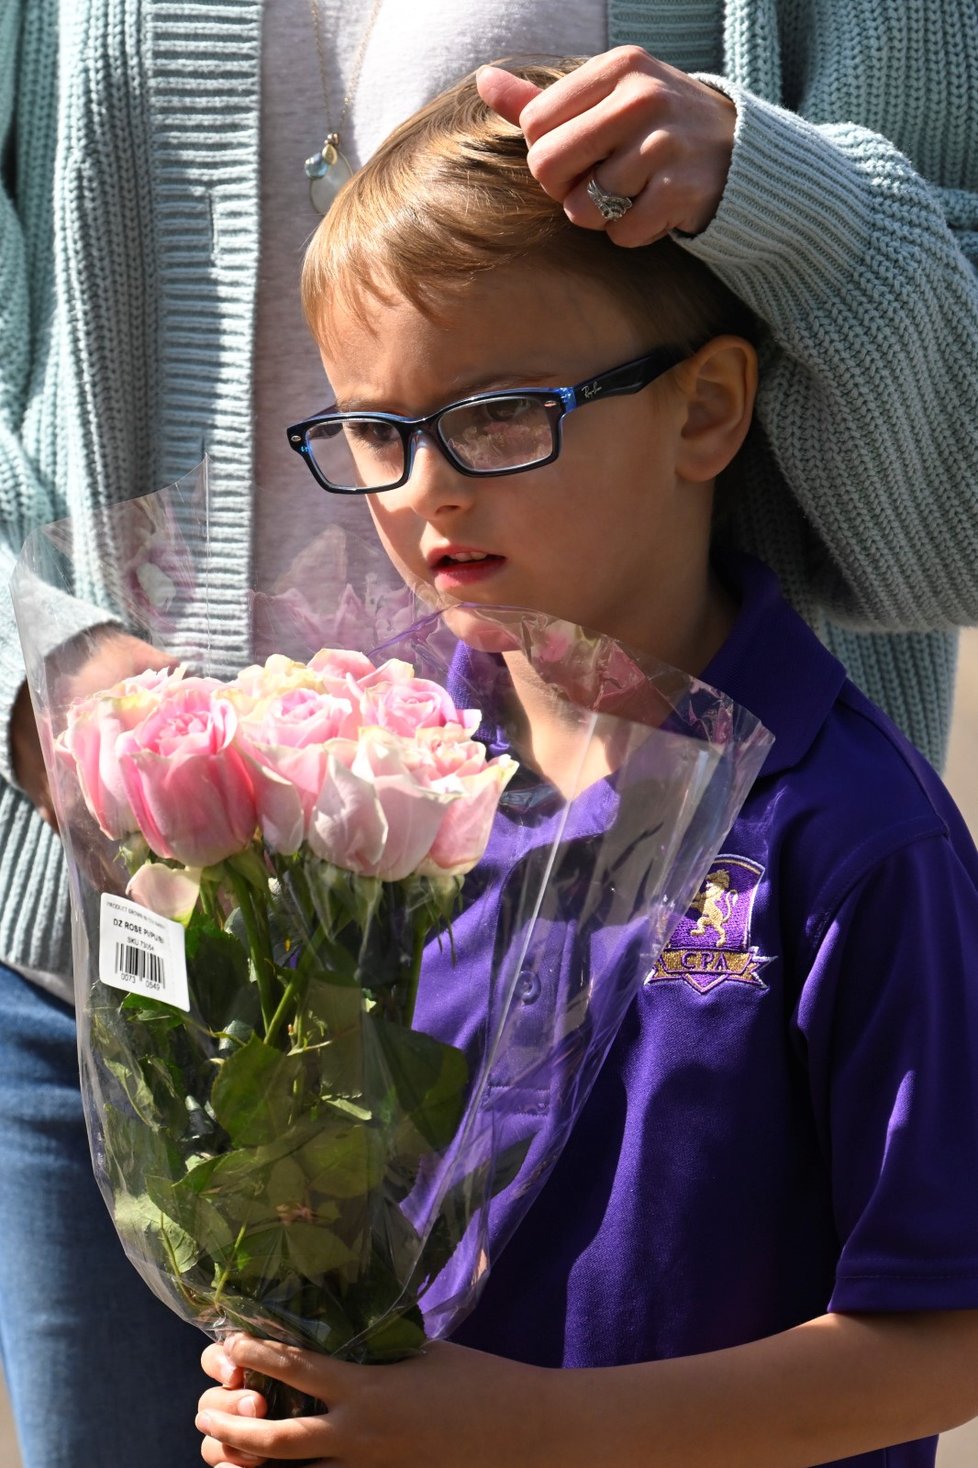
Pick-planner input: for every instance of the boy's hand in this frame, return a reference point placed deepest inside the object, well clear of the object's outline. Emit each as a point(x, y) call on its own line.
point(447, 1407)
point(645, 129)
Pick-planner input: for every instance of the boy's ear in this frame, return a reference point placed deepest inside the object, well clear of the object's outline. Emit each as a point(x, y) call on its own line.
point(719, 385)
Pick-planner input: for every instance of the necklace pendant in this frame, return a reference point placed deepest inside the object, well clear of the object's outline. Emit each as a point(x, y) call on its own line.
point(327, 172)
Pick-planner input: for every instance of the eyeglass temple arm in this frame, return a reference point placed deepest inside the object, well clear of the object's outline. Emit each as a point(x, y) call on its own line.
point(632, 377)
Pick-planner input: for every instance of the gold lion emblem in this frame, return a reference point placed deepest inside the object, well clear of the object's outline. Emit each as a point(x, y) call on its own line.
point(715, 904)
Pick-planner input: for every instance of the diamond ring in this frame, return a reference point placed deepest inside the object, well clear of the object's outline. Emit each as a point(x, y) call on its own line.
point(609, 206)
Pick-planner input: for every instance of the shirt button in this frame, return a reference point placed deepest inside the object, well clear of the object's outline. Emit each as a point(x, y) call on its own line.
point(527, 986)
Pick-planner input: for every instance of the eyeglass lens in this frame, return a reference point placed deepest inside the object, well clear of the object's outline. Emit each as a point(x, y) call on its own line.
point(491, 436)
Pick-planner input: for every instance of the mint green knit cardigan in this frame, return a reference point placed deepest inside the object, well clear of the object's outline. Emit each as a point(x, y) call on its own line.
point(128, 262)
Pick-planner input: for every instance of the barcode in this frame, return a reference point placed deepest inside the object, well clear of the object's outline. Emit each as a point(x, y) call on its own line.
point(139, 963)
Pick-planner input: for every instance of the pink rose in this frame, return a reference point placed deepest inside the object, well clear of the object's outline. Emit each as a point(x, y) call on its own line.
point(391, 806)
point(395, 699)
point(259, 684)
point(287, 749)
point(372, 815)
point(467, 822)
point(447, 761)
point(189, 787)
point(337, 663)
point(90, 739)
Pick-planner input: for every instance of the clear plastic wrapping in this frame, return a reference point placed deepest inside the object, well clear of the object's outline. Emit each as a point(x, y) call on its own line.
point(354, 928)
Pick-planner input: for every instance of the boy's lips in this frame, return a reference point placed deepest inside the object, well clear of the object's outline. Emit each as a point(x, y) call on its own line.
point(455, 566)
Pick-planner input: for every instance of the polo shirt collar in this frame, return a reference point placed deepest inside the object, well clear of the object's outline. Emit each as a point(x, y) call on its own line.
point(772, 663)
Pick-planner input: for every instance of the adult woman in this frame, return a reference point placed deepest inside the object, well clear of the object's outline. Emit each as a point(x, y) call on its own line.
point(149, 246)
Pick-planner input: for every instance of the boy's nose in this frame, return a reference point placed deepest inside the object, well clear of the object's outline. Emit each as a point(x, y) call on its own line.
point(434, 484)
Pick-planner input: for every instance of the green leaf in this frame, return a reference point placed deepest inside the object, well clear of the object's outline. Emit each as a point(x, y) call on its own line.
point(140, 1007)
point(395, 1339)
point(217, 966)
point(202, 1222)
point(343, 1161)
point(261, 1255)
point(337, 1007)
point(253, 1095)
point(429, 1080)
point(315, 1249)
point(286, 1183)
point(141, 1223)
point(134, 1084)
point(167, 1084)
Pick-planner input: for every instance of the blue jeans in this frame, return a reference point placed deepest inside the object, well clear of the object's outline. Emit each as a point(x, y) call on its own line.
point(100, 1373)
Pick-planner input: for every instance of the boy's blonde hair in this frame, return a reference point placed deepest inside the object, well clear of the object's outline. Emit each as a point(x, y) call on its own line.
point(448, 196)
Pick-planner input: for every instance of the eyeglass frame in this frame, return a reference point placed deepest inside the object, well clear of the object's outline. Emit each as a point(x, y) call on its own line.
point(629, 377)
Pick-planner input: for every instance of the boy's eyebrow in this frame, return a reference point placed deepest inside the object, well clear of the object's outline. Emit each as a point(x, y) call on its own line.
point(497, 381)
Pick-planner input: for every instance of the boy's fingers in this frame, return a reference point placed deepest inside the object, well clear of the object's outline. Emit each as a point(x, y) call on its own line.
point(309, 1371)
point(218, 1456)
point(505, 93)
point(218, 1365)
point(290, 1438)
point(235, 1403)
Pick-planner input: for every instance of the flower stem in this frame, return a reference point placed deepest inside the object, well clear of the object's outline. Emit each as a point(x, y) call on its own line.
point(414, 978)
point(223, 1277)
point(273, 1025)
point(257, 949)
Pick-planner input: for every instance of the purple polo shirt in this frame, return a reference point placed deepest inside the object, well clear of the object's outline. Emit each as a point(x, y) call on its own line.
point(787, 1121)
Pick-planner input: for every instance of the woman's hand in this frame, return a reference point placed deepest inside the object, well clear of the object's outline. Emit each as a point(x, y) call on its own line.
point(27, 757)
point(644, 129)
point(448, 1407)
point(95, 660)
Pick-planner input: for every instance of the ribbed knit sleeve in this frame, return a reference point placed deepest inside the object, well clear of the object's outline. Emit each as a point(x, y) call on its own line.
point(34, 424)
point(27, 44)
point(850, 224)
point(869, 396)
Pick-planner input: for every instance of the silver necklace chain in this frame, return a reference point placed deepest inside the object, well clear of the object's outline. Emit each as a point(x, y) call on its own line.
point(328, 170)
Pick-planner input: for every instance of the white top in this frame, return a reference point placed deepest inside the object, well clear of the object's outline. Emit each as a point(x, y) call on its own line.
point(416, 49)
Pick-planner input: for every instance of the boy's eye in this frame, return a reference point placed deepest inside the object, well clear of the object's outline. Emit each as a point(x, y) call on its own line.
point(365, 433)
point(506, 410)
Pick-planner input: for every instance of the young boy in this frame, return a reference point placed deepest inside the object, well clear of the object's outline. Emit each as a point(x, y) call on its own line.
point(760, 1246)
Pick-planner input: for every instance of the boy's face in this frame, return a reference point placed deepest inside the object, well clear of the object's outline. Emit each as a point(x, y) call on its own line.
point(609, 535)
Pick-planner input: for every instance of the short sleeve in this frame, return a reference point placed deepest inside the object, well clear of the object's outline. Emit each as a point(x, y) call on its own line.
point(888, 1021)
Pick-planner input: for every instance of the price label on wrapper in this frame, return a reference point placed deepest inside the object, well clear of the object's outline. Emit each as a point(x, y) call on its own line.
point(141, 952)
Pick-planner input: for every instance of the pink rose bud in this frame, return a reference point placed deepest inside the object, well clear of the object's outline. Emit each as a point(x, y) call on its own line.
point(189, 787)
point(171, 892)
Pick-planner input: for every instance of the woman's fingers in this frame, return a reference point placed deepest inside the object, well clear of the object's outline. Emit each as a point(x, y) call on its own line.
point(580, 90)
point(505, 93)
point(645, 130)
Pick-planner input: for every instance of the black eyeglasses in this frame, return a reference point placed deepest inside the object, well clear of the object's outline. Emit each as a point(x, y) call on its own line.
point(505, 432)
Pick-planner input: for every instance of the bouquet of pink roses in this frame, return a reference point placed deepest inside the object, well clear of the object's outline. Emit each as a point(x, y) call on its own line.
point(348, 957)
point(294, 838)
